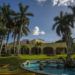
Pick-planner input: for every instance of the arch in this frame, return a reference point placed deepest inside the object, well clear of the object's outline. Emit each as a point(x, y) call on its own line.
point(48, 50)
point(65, 50)
point(35, 50)
point(12, 50)
point(24, 50)
point(3, 51)
point(61, 50)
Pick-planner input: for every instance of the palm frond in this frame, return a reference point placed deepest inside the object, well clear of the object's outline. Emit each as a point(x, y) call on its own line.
point(26, 8)
point(55, 25)
point(29, 14)
point(56, 18)
point(58, 31)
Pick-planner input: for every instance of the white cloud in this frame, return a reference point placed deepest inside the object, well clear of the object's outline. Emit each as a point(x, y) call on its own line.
point(41, 1)
point(37, 31)
point(58, 2)
point(63, 2)
point(42, 33)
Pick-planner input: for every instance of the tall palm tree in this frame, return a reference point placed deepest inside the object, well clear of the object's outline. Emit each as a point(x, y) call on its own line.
point(7, 13)
point(3, 30)
point(15, 22)
point(22, 23)
point(3, 33)
point(63, 25)
point(73, 14)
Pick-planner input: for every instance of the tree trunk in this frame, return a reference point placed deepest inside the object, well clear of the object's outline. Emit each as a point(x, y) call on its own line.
point(29, 51)
point(1, 46)
point(7, 42)
point(18, 43)
point(69, 43)
point(14, 44)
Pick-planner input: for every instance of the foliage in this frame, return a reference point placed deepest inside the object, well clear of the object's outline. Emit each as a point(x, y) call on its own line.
point(15, 23)
point(63, 25)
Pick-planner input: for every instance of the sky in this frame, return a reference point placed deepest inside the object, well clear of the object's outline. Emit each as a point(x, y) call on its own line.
point(44, 11)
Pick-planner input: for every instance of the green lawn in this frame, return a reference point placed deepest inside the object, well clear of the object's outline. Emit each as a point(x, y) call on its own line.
point(40, 57)
point(15, 61)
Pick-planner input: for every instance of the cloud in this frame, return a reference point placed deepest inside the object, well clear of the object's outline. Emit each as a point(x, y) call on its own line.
point(63, 2)
point(41, 1)
point(37, 31)
point(42, 32)
point(58, 2)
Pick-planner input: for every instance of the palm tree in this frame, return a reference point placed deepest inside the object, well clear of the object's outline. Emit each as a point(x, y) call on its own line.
point(3, 33)
point(7, 14)
point(14, 22)
point(3, 30)
point(73, 15)
point(22, 22)
point(63, 25)
point(14, 33)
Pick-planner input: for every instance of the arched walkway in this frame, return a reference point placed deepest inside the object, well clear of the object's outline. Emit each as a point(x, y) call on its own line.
point(61, 50)
point(35, 50)
point(3, 52)
point(24, 50)
point(12, 50)
point(48, 51)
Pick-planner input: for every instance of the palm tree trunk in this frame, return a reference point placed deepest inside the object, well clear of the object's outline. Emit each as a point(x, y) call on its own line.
point(18, 39)
point(69, 44)
point(7, 41)
point(18, 43)
point(1, 45)
point(29, 51)
point(14, 44)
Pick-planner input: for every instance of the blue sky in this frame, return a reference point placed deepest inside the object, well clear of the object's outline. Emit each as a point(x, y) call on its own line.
point(42, 22)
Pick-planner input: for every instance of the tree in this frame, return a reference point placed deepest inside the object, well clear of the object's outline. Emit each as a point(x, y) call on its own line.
point(15, 23)
point(22, 21)
point(3, 30)
point(7, 14)
point(3, 33)
point(63, 25)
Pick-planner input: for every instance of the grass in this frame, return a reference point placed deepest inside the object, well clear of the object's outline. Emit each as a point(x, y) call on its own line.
point(15, 61)
point(40, 57)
